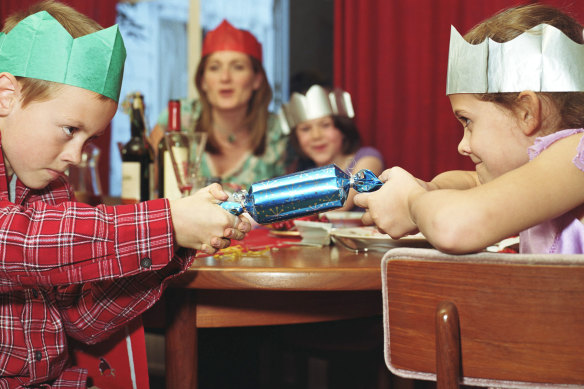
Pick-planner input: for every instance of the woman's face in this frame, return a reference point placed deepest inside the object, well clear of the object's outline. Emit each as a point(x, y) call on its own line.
point(492, 137)
point(320, 140)
point(229, 80)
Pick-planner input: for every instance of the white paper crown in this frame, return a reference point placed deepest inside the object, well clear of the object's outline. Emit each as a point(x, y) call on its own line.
point(542, 59)
point(315, 104)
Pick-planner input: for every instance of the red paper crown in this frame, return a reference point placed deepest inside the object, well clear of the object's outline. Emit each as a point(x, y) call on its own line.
point(227, 37)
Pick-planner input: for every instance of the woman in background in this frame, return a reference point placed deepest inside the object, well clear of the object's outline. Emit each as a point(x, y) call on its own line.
point(244, 141)
point(323, 132)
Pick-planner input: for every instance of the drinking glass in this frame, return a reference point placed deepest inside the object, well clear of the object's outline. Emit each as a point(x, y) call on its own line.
point(186, 151)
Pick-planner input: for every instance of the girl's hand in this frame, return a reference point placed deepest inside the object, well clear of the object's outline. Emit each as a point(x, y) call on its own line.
point(200, 223)
point(389, 207)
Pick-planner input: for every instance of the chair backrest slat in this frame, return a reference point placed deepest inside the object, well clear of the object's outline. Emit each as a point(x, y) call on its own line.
point(519, 322)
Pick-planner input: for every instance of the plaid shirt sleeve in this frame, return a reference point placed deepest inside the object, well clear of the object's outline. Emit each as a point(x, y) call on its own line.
point(44, 245)
point(102, 265)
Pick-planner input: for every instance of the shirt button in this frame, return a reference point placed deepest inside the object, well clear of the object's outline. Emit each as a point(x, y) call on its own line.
point(35, 293)
point(38, 356)
point(146, 262)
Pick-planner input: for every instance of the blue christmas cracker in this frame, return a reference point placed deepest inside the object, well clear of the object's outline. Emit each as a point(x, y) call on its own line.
point(300, 194)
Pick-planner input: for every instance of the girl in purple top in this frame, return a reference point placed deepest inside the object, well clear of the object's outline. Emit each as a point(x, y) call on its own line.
point(335, 139)
point(515, 83)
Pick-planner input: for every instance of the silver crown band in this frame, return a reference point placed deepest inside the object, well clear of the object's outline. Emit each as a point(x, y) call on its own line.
point(542, 59)
point(315, 104)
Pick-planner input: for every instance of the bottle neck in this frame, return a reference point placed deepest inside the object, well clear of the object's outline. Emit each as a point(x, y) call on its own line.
point(174, 124)
point(137, 124)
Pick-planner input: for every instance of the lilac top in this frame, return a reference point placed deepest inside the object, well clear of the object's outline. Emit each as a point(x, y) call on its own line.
point(364, 152)
point(564, 234)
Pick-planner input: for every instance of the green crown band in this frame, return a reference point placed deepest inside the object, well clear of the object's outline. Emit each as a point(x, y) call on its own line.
point(40, 47)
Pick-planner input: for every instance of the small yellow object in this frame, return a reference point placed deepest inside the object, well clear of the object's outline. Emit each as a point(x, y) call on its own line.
point(238, 251)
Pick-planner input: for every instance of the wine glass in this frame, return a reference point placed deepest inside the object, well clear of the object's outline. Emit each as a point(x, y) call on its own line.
point(186, 151)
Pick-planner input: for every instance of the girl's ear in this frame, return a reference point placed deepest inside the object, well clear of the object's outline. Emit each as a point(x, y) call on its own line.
point(529, 112)
point(9, 90)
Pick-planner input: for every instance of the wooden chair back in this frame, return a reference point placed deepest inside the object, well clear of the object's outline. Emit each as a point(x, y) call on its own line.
point(506, 320)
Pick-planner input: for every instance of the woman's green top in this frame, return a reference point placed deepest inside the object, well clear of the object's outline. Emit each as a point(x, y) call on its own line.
point(252, 168)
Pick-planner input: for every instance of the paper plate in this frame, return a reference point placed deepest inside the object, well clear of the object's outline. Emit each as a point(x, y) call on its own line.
point(369, 238)
point(344, 219)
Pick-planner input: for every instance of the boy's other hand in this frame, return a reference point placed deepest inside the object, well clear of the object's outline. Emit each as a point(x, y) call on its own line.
point(200, 223)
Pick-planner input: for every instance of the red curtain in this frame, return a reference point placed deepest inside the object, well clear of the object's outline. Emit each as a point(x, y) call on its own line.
point(103, 12)
point(391, 55)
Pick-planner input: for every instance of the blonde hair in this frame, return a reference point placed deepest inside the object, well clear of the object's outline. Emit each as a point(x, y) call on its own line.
point(76, 23)
point(510, 23)
point(257, 111)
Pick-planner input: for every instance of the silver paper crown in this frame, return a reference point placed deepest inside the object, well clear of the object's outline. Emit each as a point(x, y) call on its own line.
point(542, 59)
point(316, 103)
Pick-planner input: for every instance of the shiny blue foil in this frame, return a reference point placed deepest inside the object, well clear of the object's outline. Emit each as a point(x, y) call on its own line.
point(300, 194)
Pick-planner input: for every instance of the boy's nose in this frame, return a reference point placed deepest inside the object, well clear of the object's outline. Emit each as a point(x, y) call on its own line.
point(72, 154)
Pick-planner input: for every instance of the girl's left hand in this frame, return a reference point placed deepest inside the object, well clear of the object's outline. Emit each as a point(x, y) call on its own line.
point(389, 207)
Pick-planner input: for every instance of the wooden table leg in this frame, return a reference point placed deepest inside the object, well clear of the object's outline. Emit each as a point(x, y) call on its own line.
point(181, 339)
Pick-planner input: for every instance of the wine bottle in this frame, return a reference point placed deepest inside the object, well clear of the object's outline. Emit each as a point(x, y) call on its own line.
point(168, 185)
point(137, 157)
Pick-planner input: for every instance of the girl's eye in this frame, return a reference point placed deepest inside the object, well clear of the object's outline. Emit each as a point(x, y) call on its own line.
point(465, 121)
point(69, 131)
point(303, 128)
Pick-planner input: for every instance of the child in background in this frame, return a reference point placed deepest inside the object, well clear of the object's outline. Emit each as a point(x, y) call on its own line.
point(523, 118)
point(68, 269)
point(323, 132)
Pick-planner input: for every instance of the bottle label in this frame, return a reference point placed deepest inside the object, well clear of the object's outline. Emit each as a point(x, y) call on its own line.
point(130, 182)
point(171, 188)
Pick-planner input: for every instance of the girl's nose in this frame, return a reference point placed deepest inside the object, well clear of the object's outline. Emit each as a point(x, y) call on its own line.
point(464, 145)
point(315, 132)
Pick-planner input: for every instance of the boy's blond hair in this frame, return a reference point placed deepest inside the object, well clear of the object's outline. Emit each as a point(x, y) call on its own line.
point(512, 22)
point(76, 23)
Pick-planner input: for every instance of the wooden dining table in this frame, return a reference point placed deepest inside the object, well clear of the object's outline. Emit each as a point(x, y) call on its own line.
point(278, 285)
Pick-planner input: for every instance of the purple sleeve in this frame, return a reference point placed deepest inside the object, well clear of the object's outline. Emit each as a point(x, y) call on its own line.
point(544, 142)
point(366, 152)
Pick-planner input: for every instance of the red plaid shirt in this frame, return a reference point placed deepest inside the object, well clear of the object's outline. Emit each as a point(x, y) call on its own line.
point(68, 269)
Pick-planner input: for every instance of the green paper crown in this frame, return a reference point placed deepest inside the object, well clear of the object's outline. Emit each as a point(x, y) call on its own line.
point(40, 47)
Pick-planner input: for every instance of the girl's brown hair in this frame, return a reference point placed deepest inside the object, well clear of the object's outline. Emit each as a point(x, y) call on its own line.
point(257, 111)
point(512, 22)
point(76, 23)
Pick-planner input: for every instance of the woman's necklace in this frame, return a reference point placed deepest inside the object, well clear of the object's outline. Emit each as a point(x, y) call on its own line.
point(231, 136)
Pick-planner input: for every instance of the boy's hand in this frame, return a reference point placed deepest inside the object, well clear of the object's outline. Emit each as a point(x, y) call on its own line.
point(201, 224)
point(389, 207)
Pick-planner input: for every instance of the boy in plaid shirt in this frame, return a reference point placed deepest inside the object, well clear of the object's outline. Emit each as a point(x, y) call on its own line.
point(68, 269)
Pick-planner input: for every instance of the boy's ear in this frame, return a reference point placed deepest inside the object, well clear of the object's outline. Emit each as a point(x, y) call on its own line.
point(9, 92)
point(529, 111)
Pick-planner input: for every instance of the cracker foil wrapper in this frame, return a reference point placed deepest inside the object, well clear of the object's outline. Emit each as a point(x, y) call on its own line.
point(300, 194)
